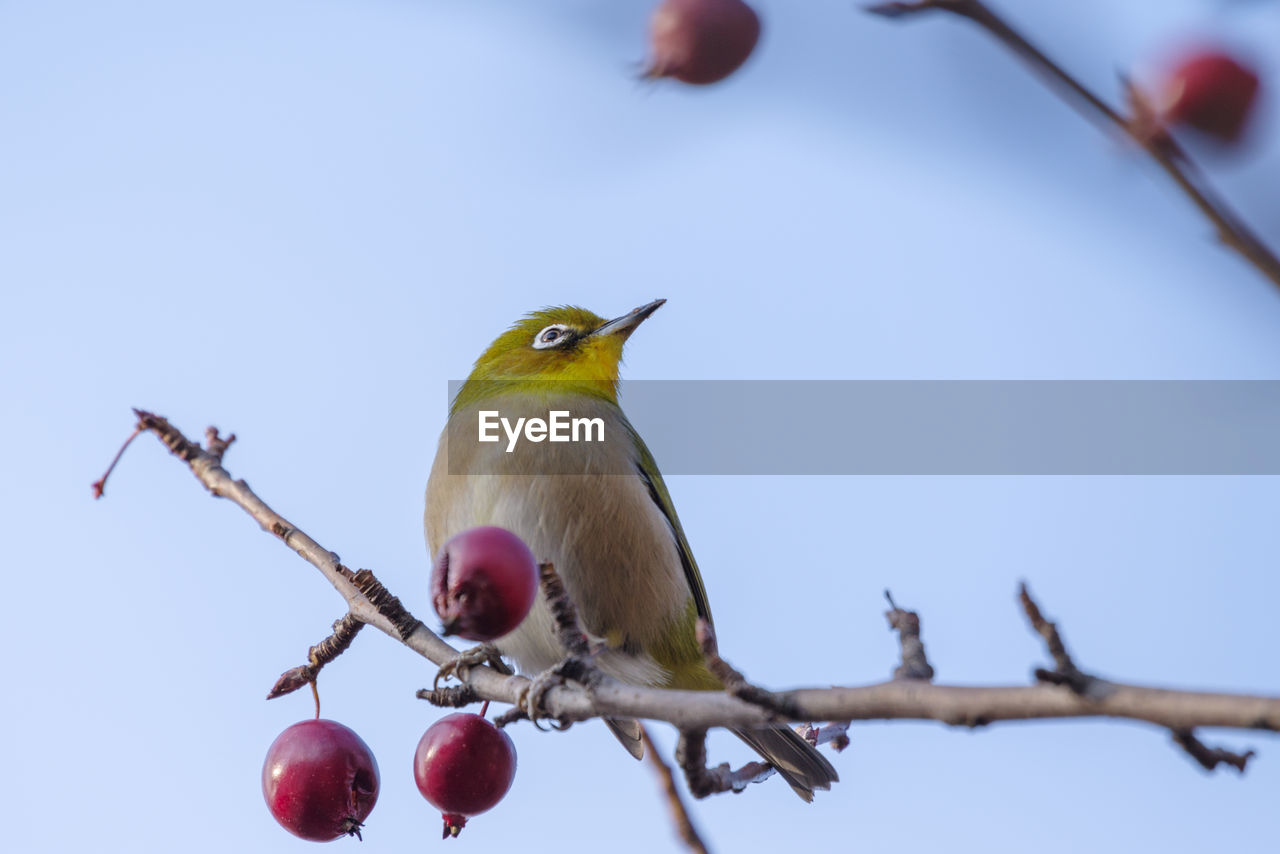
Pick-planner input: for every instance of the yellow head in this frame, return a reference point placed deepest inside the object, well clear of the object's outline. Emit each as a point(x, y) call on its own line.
point(572, 348)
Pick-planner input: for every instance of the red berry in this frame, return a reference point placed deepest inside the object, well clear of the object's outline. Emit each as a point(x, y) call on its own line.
point(320, 780)
point(1211, 91)
point(463, 766)
point(701, 41)
point(483, 583)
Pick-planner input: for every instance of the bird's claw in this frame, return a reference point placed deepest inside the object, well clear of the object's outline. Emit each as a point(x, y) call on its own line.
point(529, 697)
point(460, 666)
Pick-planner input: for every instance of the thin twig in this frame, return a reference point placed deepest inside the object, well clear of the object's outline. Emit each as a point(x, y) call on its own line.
point(1065, 671)
point(1231, 229)
point(691, 754)
point(734, 682)
point(99, 486)
point(679, 812)
point(1210, 757)
point(344, 632)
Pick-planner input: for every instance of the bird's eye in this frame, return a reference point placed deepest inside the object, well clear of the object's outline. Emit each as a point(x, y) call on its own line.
point(552, 336)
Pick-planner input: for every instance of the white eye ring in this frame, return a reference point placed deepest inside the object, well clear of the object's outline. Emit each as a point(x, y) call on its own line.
point(552, 336)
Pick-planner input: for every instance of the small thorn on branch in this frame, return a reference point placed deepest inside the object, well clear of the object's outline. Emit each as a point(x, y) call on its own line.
point(691, 754)
point(344, 632)
point(384, 603)
point(915, 665)
point(735, 683)
point(1210, 757)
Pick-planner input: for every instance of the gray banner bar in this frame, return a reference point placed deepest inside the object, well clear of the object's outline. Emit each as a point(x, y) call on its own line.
point(906, 427)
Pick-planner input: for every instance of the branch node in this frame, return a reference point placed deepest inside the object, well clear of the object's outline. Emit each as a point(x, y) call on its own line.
point(1065, 672)
point(450, 697)
point(779, 705)
point(344, 632)
point(215, 445)
point(915, 664)
point(384, 603)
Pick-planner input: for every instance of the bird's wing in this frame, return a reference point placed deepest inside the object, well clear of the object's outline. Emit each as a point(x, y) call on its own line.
point(647, 468)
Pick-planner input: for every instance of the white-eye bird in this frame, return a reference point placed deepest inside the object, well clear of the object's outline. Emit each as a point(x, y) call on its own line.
point(599, 511)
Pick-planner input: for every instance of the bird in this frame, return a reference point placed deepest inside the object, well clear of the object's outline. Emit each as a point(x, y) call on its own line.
point(599, 511)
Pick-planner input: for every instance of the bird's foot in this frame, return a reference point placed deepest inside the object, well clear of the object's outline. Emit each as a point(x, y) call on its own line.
point(460, 666)
point(572, 669)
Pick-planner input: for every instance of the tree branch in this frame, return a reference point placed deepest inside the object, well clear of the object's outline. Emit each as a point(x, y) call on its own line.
point(1231, 229)
point(689, 711)
point(675, 804)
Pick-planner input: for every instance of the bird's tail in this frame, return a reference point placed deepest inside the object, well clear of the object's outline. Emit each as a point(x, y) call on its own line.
point(629, 733)
point(798, 761)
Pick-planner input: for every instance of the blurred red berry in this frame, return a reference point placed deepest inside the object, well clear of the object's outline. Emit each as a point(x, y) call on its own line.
point(483, 583)
point(1210, 91)
point(463, 766)
point(320, 780)
point(701, 41)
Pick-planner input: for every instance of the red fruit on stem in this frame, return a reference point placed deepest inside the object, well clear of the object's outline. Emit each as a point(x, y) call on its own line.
point(483, 583)
point(1211, 91)
point(463, 766)
point(701, 41)
point(320, 780)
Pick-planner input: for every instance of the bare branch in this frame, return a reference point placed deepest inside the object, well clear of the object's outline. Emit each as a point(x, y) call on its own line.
point(1231, 229)
point(956, 705)
point(679, 813)
point(915, 665)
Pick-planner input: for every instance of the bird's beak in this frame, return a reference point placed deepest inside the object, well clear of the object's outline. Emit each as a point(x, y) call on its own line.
point(628, 322)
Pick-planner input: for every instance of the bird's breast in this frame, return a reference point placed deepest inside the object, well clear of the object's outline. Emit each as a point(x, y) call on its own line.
point(581, 505)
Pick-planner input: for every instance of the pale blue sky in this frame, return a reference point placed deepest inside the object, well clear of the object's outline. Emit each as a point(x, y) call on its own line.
point(300, 220)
